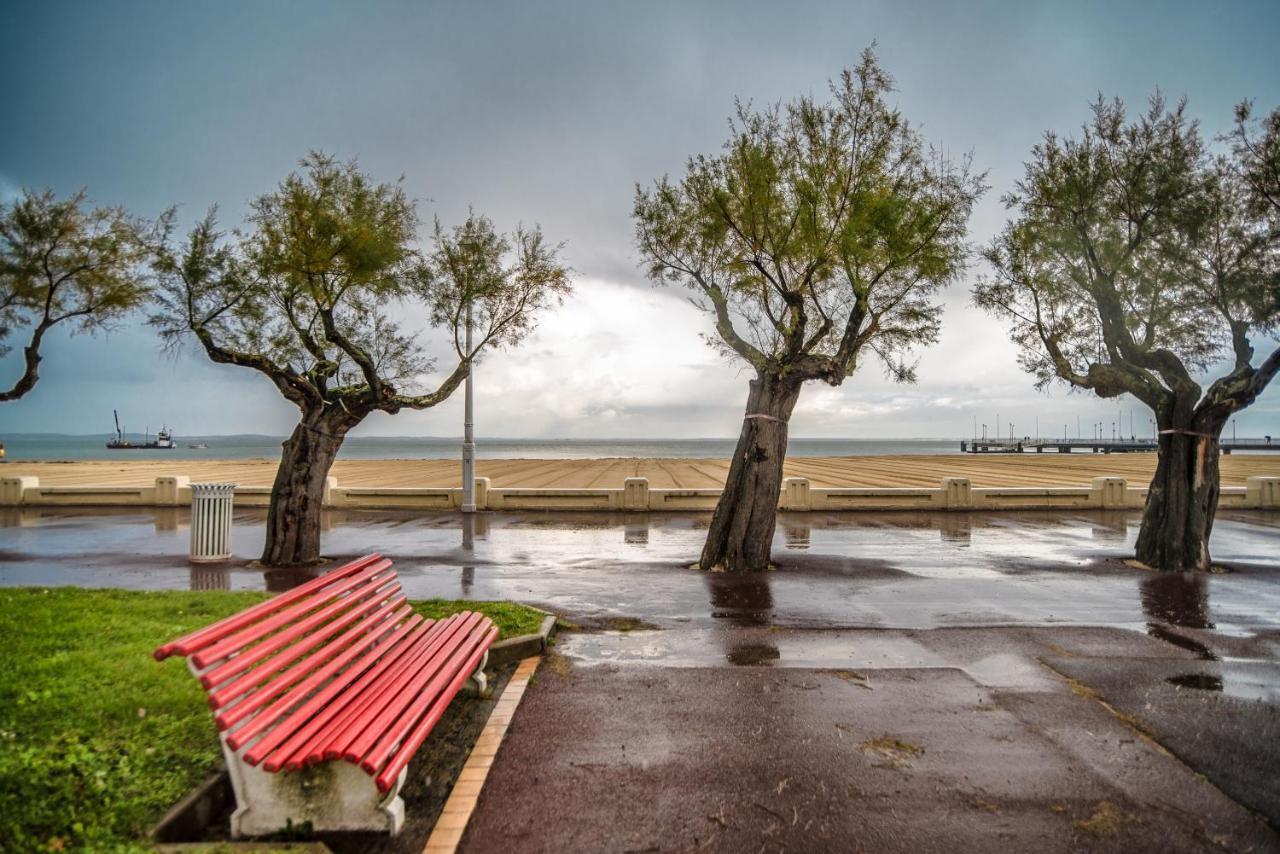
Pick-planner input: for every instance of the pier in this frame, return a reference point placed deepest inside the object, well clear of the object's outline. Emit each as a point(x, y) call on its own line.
point(1098, 446)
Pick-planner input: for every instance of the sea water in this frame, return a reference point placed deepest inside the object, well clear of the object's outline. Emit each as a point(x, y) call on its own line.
point(34, 446)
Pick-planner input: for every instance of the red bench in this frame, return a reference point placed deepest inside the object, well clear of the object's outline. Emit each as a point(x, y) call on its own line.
point(339, 668)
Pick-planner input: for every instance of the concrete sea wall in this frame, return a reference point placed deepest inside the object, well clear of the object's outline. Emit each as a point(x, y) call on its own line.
point(635, 495)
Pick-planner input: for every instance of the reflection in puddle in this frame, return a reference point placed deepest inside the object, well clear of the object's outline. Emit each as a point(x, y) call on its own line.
point(279, 580)
point(1160, 632)
point(743, 599)
point(210, 578)
point(1241, 681)
point(1111, 526)
point(956, 528)
point(796, 536)
point(750, 654)
point(1199, 681)
point(1180, 598)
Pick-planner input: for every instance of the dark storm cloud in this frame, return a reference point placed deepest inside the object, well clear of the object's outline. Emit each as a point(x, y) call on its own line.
point(550, 113)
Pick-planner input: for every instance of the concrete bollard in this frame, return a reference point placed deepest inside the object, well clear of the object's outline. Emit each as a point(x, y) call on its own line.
point(1262, 492)
point(211, 505)
point(1109, 493)
point(169, 489)
point(12, 488)
point(482, 493)
point(795, 494)
point(635, 493)
point(957, 493)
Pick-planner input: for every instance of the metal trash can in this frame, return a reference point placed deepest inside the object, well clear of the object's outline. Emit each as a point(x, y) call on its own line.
point(211, 521)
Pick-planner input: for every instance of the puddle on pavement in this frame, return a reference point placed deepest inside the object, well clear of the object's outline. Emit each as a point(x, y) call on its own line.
point(753, 654)
point(1245, 680)
point(1199, 681)
point(842, 571)
point(740, 598)
point(1180, 598)
point(1163, 633)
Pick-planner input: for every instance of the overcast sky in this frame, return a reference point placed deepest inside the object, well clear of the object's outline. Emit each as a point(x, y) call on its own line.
point(550, 113)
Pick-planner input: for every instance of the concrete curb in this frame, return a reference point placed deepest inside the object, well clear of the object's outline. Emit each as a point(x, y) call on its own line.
point(188, 818)
point(524, 646)
point(453, 819)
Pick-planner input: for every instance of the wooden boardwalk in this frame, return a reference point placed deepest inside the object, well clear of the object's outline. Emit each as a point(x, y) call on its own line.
point(882, 471)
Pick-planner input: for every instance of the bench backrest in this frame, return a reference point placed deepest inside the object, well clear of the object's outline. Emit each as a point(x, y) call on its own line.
point(337, 667)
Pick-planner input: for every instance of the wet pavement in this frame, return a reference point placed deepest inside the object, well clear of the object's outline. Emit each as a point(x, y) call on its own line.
point(1060, 697)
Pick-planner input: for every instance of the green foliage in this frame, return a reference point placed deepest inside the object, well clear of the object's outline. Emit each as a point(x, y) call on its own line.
point(309, 294)
point(821, 229)
point(64, 262)
point(511, 618)
point(97, 739)
point(505, 280)
point(1137, 258)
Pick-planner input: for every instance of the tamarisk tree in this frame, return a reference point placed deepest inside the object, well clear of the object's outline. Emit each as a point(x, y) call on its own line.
point(820, 233)
point(63, 262)
point(308, 296)
point(1137, 261)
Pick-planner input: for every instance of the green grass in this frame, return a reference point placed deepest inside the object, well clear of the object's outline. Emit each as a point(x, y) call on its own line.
point(97, 739)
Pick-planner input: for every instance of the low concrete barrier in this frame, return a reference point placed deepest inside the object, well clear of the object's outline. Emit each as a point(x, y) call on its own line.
point(797, 494)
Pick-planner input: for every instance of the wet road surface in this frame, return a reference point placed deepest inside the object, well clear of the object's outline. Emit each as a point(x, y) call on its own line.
point(902, 681)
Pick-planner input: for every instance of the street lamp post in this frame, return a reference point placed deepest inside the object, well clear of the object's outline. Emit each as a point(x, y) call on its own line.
point(468, 433)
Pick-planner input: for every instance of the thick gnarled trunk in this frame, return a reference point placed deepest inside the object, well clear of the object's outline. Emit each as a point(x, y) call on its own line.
point(1183, 497)
point(741, 532)
point(297, 497)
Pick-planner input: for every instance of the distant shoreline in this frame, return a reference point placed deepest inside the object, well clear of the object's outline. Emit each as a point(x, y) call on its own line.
point(48, 447)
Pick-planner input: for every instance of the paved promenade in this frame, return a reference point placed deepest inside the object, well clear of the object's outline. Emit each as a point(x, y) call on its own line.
point(873, 471)
point(923, 682)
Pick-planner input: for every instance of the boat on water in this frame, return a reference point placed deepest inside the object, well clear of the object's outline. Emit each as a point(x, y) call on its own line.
point(198, 445)
point(163, 440)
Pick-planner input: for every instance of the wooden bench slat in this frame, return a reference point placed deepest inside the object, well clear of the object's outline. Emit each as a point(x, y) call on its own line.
point(227, 692)
point(389, 737)
point(334, 701)
point(387, 777)
point(194, 641)
point(279, 619)
point(350, 743)
point(336, 693)
point(365, 650)
point(231, 715)
point(365, 696)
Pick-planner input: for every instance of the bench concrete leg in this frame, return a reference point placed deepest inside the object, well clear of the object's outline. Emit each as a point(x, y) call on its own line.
point(333, 795)
point(478, 684)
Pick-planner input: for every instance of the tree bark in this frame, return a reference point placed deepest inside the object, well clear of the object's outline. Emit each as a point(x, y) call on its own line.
point(1183, 497)
point(297, 497)
point(741, 532)
point(31, 359)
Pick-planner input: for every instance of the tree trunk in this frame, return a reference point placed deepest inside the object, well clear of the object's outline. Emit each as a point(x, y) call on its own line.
point(1183, 497)
point(741, 532)
point(297, 498)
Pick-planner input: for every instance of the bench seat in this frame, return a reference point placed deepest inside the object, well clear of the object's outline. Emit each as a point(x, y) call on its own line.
point(337, 682)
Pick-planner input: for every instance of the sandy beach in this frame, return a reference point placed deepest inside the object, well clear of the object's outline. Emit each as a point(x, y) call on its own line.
point(865, 471)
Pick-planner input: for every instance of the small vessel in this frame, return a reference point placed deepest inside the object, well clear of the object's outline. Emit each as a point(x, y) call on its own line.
point(198, 445)
point(163, 441)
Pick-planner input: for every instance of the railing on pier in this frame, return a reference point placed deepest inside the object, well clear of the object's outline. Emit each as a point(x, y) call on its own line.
point(1099, 446)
